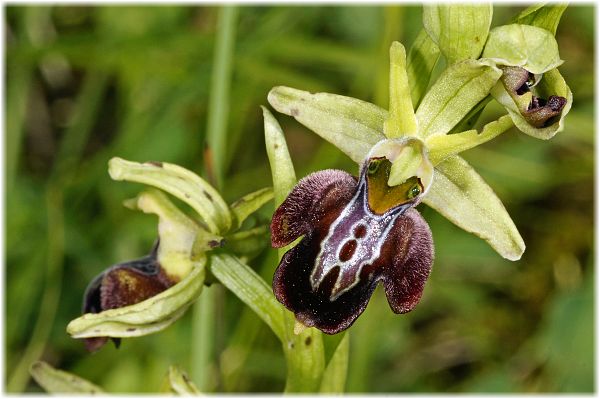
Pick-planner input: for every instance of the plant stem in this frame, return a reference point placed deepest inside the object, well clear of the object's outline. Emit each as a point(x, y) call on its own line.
point(218, 107)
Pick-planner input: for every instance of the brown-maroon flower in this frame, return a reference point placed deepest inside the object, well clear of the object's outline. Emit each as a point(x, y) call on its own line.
point(357, 232)
point(121, 285)
point(537, 111)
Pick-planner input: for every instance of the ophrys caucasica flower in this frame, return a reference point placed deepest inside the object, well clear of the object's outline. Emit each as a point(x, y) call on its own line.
point(361, 231)
point(357, 232)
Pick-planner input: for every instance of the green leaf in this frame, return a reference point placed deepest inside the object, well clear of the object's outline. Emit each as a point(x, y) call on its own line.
point(401, 120)
point(249, 204)
point(352, 125)
point(282, 168)
point(444, 146)
point(529, 47)
point(422, 57)
point(180, 183)
point(251, 289)
point(552, 83)
point(545, 16)
point(462, 196)
point(179, 383)
point(460, 88)
point(146, 317)
point(334, 376)
point(60, 382)
point(460, 31)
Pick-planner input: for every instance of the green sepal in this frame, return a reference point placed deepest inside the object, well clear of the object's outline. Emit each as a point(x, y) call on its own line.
point(249, 204)
point(352, 125)
point(460, 31)
point(529, 47)
point(55, 381)
point(464, 198)
point(444, 146)
point(282, 168)
point(181, 183)
point(460, 88)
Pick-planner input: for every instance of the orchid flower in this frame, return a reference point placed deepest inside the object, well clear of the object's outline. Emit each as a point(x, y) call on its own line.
point(357, 232)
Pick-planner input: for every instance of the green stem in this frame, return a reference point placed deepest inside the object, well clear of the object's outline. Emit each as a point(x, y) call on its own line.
point(203, 325)
point(218, 107)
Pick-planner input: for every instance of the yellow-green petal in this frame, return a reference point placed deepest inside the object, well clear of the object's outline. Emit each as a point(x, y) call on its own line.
point(401, 120)
point(443, 146)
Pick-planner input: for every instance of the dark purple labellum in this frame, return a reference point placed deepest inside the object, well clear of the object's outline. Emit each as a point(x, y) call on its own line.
point(347, 248)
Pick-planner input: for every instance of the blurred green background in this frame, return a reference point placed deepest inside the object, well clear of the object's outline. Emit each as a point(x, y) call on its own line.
point(86, 83)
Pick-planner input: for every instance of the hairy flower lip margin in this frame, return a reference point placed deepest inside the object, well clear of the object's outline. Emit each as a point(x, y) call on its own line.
point(402, 259)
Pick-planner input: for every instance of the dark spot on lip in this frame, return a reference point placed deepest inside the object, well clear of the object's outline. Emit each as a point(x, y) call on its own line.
point(308, 341)
point(348, 250)
point(155, 163)
point(131, 329)
point(276, 146)
point(294, 111)
point(360, 231)
point(207, 195)
point(186, 195)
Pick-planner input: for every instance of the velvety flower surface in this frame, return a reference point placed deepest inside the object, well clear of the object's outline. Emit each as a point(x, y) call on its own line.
point(121, 285)
point(357, 232)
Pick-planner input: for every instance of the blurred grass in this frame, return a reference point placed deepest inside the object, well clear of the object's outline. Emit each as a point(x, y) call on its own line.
point(86, 83)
